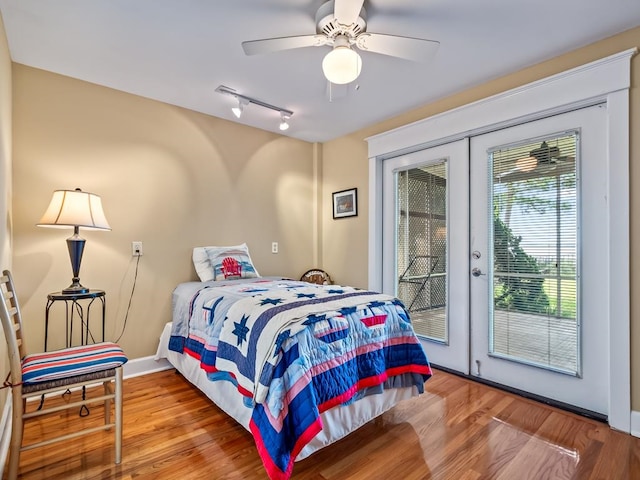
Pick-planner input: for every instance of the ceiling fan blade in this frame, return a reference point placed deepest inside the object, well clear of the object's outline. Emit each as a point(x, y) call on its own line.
point(416, 49)
point(270, 45)
point(346, 12)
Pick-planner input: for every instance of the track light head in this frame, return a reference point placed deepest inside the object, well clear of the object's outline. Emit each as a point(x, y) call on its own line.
point(237, 110)
point(284, 121)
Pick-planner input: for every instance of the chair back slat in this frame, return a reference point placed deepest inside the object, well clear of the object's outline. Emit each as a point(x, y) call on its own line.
point(12, 326)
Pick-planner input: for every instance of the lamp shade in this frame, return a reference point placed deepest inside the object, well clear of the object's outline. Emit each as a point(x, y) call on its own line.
point(75, 208)
point(341, 65)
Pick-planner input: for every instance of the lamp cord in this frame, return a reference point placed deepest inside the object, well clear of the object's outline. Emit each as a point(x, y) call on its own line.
point(133, 289)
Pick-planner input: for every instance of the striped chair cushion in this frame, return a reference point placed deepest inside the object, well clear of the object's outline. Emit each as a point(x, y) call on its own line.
point(69, 362)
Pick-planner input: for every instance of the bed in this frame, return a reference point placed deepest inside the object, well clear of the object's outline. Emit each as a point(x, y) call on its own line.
point(299, 365)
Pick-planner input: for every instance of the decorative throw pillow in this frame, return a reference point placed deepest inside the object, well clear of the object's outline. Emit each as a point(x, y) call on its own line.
point(223, 263)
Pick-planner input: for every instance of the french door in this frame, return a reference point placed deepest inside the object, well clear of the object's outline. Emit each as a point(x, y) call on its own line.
point(497, 247)
point(538, 278)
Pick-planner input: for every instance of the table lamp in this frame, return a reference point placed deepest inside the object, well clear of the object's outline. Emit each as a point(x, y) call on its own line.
point(75, 208)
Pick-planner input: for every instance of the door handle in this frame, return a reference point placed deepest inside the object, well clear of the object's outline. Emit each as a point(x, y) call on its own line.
point(476, 272)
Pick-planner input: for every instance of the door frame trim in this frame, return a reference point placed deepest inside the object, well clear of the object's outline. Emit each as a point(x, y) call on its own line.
point(606, 80)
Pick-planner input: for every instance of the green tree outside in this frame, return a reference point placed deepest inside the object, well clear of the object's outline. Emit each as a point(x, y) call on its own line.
point(524, 294)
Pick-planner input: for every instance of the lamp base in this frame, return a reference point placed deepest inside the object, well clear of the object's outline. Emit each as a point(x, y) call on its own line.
point(75, 288)
point(75, 245)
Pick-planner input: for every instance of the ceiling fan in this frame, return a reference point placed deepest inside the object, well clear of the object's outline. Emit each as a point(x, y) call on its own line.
point(544, 160)
point(342, 25)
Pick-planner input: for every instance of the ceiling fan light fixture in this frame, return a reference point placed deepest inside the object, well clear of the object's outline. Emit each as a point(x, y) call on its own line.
point(527, 164)
point(342, 65)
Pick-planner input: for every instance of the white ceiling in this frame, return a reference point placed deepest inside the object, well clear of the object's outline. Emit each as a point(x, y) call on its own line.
point(179, 51)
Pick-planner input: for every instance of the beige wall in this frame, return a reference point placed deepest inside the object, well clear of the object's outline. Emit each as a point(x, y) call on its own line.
point(352, 150)
point(5, 177)
point(169, 177)
point(344, 240)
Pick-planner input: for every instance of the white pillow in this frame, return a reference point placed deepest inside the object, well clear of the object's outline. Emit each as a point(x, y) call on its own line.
point(202, 264)
point(208, 262)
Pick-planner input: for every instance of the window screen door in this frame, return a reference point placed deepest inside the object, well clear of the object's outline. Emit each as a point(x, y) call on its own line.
point(422, 247)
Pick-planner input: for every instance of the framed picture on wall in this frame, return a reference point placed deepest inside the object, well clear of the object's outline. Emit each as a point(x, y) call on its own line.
point(345, 203)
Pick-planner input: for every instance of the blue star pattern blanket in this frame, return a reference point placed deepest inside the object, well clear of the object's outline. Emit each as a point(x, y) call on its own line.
point(294, 350)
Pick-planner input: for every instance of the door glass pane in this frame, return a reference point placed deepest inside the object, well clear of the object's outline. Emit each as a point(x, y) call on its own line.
point(534, 277)
point(422, 248)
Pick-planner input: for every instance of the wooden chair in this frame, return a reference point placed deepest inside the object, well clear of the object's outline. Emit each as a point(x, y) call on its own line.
point(40, 374)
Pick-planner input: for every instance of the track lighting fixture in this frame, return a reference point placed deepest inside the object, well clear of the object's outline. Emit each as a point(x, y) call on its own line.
point(243, 101)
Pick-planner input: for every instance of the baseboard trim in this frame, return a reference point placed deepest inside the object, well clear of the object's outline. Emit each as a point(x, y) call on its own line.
point(133, 368)
point(635, 423)
point(144, 366)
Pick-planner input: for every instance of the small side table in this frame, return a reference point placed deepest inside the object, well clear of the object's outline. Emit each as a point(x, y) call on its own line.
point(77, 305)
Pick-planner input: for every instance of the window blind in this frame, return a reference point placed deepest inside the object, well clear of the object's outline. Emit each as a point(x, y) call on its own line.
point(534, 276)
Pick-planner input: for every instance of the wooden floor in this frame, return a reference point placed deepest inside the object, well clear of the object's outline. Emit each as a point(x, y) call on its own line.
point(459, 430)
